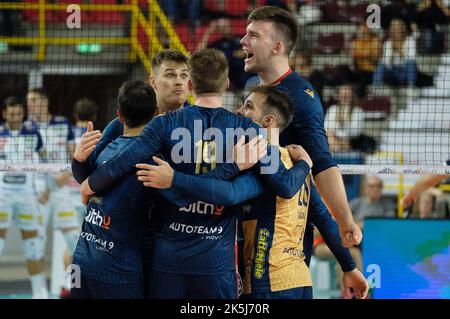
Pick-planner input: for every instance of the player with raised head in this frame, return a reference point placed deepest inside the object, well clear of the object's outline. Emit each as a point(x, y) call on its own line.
point(169, 78)
point(271, 36)
point(21, 143)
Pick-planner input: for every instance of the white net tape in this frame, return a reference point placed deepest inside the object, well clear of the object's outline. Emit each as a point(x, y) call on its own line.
point(345, 169)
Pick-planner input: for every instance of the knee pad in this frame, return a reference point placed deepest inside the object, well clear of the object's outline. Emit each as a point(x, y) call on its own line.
point(71, 238)
point(34, 248)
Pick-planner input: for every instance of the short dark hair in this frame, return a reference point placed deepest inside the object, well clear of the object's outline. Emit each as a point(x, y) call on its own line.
point(276, 102)
point(284, 22)
point(137, 102)
point(85, 109)
point(168, 55)
point(12, 100)
point(39, 91)
point(208, 71)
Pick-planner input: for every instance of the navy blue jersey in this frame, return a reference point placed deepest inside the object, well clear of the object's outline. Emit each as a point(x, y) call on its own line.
point(27, 129)
point(110, 244)
point(199, 238)
point(307, 126)
point(262, 211)
point(307, 130)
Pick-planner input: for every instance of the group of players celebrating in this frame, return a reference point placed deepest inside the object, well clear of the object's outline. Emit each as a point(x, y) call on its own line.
point(171, 215)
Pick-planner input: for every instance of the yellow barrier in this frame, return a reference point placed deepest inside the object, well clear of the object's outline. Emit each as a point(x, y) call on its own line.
point(137, 20)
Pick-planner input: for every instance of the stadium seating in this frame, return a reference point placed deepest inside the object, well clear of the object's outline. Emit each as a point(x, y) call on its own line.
point(60, 16)
point(376, 104)
point(330, 43)
point(107, 17)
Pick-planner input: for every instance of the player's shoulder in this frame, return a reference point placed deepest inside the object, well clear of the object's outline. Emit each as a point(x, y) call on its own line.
point(302, 94)
point(168, 120)
point(169, 116)
point(299, 87)
point(239, 120)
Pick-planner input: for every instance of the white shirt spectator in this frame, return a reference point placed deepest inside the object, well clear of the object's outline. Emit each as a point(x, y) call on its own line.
point(394, 58)
point(350, 127)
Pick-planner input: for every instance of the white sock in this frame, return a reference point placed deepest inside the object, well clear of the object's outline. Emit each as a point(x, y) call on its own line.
point(2, 246)
point(39, 286)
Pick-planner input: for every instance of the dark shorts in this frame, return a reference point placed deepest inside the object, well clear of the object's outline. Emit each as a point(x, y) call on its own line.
point(164, 285)
point(294, 293)
point(94, 289)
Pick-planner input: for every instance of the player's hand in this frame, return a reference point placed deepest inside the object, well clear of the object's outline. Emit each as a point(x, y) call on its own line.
point(298, 153)
point(408, 199)
point(355, 285)
point(350, 233)
point(43, 198)
point(87, 143)
point(85, 191)
point(160, 176)
point(247, 155)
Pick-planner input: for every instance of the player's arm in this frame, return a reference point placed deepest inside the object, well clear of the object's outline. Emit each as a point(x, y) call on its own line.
point(140, 150)
point(282, 181)
point(245, 156)
point(421, 185)
point(179, 187)
point(218, 192)
point(92, 143)
point(310, 133)
point(328, 228)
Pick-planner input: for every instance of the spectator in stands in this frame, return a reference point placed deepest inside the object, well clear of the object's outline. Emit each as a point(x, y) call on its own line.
point(431, 14)
point(404, 10)
point(308, 12)
point(230, 45)
point(398, 64)
point(344, 120)
point(372, 204)
point(365, 49)
point(289, 5)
